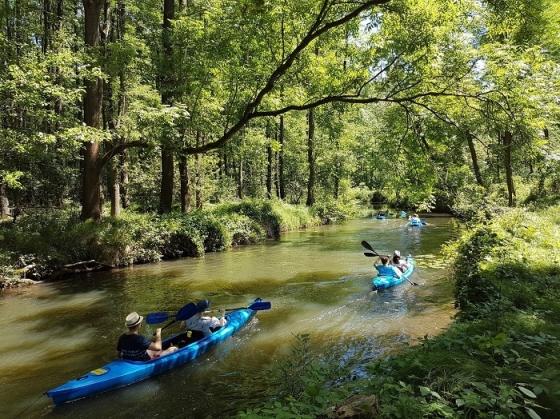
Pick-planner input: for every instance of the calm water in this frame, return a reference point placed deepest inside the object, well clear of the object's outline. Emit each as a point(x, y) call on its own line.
point(318, 281)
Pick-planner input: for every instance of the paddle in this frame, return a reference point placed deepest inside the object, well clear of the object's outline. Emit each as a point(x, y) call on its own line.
point(256, 306)
point(374, 253)
point(160, 317)
point(184, 313)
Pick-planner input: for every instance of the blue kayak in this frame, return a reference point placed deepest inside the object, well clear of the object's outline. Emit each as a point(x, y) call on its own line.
point(381, 282)
point(121, 373)
point(380, 217)
point(417, 223)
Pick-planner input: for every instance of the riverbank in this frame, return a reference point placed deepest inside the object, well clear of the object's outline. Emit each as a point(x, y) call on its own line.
point(500, 357)
point(56, 244)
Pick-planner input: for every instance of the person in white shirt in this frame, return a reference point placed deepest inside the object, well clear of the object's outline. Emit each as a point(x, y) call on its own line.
point(398, 262)
point(202, 323)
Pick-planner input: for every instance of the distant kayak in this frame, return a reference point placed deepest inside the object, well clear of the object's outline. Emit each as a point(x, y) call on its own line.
point(380, 217)
point(121, 373)
point(417, 223)
point(381, 282)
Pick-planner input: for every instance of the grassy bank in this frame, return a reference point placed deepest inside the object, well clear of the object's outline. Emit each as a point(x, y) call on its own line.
point(499, 359)
point(42, 245)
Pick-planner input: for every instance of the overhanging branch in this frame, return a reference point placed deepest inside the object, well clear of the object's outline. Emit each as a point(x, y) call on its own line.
point(318, 28)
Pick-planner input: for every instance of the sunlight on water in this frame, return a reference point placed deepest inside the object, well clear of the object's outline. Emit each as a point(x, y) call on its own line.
point(319, 283)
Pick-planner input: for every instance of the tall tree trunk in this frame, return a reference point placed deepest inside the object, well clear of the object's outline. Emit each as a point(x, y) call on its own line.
point(46, 25)
point(167, 179)
point(184, 182)
point(269, 171)
point(269, 155)
point(281, 185)
point(198, 186)
point(123, 175)
point(507, 139)
point(240, 179)
point(4, 202)
point(474, 158)
point(311, 158)
point(115, 190)
point(167, 166)
point(91, 194)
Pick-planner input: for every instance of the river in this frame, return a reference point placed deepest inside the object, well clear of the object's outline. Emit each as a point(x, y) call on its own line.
point(318, 281)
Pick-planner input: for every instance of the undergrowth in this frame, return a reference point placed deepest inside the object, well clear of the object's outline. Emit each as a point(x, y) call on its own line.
point(499, 359)
point(49, 240)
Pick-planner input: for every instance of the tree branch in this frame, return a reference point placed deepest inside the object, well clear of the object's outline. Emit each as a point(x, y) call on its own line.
point(317, 29)
point(116, 149)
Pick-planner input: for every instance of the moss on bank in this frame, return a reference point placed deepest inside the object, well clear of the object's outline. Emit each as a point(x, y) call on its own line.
point(40, 244)
point(499, 359)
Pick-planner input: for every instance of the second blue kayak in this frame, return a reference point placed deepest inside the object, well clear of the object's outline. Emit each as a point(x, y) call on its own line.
point(381, 282)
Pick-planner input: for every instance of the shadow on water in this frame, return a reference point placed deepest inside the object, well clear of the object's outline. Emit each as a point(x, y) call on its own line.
point(319, 282)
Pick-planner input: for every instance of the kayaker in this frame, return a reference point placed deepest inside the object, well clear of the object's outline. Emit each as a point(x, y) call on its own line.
point(387, 270)
point(415, 219)
point(204, 324)
point(135, 347)
point(397, 262)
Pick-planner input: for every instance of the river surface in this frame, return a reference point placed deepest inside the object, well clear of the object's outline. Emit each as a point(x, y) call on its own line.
point(318, 281)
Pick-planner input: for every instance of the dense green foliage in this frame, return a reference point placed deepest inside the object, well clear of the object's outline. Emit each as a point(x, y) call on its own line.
point(500, 358)
point(54, 239)
point(426, 103)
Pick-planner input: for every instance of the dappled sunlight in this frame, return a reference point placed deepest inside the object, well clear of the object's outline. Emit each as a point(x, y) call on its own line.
point(318, 281)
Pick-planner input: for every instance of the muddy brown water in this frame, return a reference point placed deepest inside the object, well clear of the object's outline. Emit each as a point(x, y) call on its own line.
point(318, 281)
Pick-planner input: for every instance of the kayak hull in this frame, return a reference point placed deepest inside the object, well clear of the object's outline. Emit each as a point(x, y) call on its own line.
point(121, 373)
point(382, 282)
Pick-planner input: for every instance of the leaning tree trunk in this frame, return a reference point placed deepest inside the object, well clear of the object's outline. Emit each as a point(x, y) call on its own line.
point(311, 158)
point(507, 139)
point(167, 166)
point(91, 184)
point(474, 158)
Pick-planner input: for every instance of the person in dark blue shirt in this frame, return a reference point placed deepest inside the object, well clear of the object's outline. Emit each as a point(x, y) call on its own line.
point(135, 347)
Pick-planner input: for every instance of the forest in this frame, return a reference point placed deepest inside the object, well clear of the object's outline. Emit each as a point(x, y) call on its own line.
point(133, 131)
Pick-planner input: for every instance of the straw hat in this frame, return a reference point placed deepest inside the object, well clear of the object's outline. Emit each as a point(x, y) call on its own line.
point(133, 319)
point(397, 253)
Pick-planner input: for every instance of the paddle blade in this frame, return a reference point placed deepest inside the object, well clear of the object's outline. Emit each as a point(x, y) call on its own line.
point(186, 312)
point(369, 255)
point(155, 318)
point(367, 245)
point(260, 305)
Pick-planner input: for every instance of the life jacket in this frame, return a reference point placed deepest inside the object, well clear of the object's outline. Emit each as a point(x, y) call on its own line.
point(385, 270)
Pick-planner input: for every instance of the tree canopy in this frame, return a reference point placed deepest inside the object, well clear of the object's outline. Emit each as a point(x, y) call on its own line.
point(173, 104)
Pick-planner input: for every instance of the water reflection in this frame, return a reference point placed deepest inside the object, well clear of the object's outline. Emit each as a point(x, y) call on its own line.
point(318, 281)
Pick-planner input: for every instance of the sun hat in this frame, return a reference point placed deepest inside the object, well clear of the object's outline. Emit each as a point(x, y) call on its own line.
point(396, 253)
point(133, 319)
point(202, 305)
